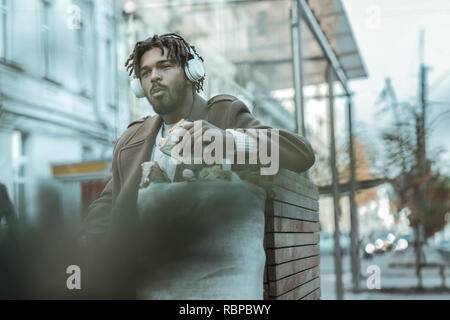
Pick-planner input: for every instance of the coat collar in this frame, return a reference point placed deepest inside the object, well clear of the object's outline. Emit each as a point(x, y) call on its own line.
point(150, 126)
point(199, 109)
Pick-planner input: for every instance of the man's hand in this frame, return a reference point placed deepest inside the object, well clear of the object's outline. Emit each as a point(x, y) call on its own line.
point(196, 131)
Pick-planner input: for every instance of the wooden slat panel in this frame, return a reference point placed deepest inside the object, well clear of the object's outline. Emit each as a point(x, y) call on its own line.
point(265, 275)
point(278, 256)
point(289, 211)
point(301, 291)
point(277, 288)
point(291, 239)
point(266, 292)
point(315, 295)
point(265, 284)
point(296, 183)
point(278, 224)
point(283, 270)
point(290, 197)
point(279, 240)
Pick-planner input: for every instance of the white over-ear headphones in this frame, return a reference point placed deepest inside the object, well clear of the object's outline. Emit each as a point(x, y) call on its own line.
point(193, 69)
point(136, 87)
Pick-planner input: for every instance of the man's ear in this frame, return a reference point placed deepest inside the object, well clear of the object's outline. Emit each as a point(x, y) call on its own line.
point(188, 82)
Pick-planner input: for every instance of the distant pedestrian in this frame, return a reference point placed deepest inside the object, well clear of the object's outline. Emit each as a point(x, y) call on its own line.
point(10, 274)
point(6, 207)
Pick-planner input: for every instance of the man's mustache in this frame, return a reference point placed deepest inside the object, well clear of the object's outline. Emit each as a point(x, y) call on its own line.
point(156, 88)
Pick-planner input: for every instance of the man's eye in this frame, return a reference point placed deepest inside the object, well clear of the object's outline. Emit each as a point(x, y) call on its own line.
point(146, 73)
point(165, 66)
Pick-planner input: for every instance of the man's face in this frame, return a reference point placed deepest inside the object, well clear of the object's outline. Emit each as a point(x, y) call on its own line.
point(163, 81)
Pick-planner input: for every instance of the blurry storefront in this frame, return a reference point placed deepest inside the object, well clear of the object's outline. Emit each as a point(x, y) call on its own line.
point(81, 183)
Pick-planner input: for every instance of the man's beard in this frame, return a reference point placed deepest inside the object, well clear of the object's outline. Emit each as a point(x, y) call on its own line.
point(170, 100)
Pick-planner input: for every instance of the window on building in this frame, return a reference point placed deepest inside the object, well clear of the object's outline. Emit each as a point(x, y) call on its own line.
point(110, 73)
point(87, 152)
point(85, 46)
point(45, 36)
point(262, 23)
point(81, 61)
point(19, 161)
point(4, 10)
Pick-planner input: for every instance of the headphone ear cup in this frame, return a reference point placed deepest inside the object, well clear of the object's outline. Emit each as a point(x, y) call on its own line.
point(194, 68)
point(137, 88)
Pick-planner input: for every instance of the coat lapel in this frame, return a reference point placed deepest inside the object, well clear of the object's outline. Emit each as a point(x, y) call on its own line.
point(136, 150)
point(139, 146)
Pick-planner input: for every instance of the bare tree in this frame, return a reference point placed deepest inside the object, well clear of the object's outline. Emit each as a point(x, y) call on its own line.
point(418, 187)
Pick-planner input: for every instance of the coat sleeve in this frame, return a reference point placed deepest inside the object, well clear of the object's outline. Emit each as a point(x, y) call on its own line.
point(295, 152)
point(96, 222)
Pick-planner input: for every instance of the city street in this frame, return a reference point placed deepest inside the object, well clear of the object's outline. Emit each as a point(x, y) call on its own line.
point(391, 277)
point(196, 135)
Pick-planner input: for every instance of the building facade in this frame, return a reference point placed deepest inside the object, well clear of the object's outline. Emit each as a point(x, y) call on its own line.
point(62, 98)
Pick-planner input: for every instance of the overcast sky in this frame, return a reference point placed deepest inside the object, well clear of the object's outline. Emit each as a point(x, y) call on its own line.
point(387, 33)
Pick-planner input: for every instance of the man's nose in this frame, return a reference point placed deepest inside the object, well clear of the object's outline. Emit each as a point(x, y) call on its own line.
point(155, 76)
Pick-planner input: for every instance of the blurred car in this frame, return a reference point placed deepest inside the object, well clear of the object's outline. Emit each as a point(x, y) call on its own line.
point(401, 245)
point(368, 251)
point(380, 246)
point(383, 242)
point(443, 248)
point(402, 242)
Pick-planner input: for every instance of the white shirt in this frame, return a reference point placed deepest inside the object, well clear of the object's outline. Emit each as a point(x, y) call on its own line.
point(166, 163)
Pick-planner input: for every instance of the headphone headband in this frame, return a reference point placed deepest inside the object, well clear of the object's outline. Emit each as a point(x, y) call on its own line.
point(188, 46)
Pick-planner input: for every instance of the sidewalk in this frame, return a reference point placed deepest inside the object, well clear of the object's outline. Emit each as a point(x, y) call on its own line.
point(402, 279)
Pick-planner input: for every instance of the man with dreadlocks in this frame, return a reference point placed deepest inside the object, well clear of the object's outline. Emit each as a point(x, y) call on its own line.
point(161, 65)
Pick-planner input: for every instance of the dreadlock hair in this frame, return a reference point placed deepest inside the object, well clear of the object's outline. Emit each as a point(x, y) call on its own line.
point(177, 50)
